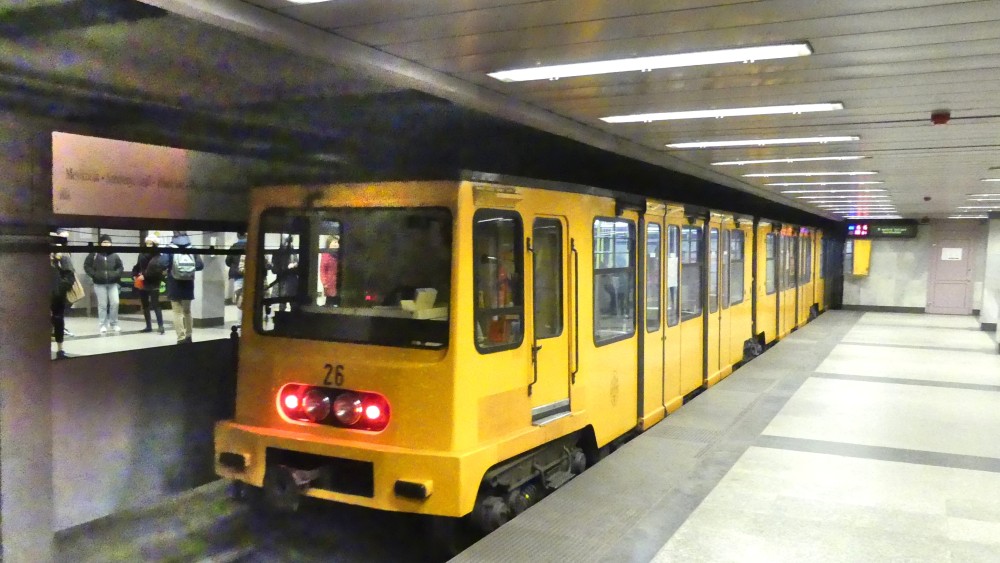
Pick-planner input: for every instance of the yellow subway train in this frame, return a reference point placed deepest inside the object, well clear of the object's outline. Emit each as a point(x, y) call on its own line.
point(461, 348)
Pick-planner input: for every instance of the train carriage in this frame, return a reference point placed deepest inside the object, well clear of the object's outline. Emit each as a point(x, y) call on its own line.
point(461, 348)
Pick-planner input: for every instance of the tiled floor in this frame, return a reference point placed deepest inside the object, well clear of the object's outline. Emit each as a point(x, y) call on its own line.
point(861, 437)
point(87, 341)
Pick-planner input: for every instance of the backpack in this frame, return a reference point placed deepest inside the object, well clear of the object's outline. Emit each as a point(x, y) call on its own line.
point(154, 269)
point(182, 267)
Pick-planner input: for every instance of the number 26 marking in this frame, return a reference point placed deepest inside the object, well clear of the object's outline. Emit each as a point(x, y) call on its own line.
point(335, 372)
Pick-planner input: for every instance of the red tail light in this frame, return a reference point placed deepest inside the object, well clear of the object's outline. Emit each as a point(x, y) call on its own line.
point(356, 410)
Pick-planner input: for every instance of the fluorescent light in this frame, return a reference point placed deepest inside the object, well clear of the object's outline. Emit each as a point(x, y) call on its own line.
point(968, 216)
point(984, 195)
point(779, 174)
point(307, 1)
point(873, 217)
point(787, 184)
point(979, 207)
point(744, 54)
point(853, 201)
point(991, 180)
point(832, 191)
point(788, 160)
point(720, 113)
point(762, 142)
point(841, 196)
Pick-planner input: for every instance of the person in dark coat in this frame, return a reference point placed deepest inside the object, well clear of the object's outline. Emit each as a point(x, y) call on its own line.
point(180, 291)
point(237, 268)
point(105, 269)
point(62, 281)
point(148, 272)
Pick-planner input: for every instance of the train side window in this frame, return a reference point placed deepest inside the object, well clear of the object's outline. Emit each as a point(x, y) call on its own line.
point(736, 266)
point(547, 264)
point(653, 278)
point(806, 263)
point(724, 270)
point(691, 264)
point(614, 280)
point(769, 270)
point(673, 275)
point(713, 270)
point(498, 247)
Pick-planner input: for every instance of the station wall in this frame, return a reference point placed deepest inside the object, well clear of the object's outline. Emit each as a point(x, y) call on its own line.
point(132, 427)
point(900, 269)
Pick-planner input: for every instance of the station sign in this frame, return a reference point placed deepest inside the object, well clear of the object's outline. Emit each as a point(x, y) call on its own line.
point(882, 229)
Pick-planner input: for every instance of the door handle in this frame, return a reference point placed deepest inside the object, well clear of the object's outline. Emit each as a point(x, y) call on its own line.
point(534, 364)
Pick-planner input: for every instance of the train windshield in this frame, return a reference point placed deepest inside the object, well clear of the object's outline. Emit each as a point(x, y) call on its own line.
point(367, 275)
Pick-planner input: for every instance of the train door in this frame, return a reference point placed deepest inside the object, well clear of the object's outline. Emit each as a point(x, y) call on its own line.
point(787, 300)
point(819, 270)
point(653, 335)
point(673, 395)
point(550, 346)
point(766, 313)
point(739, 302)
point(715, 314)
point(692, 299)
point(806, 287)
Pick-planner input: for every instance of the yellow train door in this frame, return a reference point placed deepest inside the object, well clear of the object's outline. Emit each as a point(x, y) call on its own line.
point(820, 271)
point(550, 351)
point(806, 287)
point(692, 300)
point(673, 393)
point(715, 313)
point(653, 340)
point(766, 310)
point(787, 299)
point(738, 289)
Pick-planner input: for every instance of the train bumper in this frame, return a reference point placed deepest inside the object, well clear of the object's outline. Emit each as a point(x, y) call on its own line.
point(375, 476)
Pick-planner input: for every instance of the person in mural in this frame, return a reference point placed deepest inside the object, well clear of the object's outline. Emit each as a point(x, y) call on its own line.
point(105, 270)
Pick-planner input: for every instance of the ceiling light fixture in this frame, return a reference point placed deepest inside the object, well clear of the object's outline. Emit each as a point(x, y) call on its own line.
point(823, 183)
point(984, 195)
point(780, 174)
point(979, 207)
point(869, 190)
point(762, 142)
point(720, 56)
point(873, 217)
point(786, 160)
point(991, 179)
point(720, 113)
point(841, 196)
point(968, 216)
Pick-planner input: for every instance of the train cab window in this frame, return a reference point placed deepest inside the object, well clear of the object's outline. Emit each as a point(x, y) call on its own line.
point(653, 278)
point(498, 247)
point(547, 264)
point(614, 280)
point(736, 266)
point(371, 276)
point(692, 262)
point(673, 275)
point(770, 272)
point(713, 270)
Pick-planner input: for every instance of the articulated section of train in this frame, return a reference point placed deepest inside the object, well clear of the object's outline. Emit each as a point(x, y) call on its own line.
point(462, 348)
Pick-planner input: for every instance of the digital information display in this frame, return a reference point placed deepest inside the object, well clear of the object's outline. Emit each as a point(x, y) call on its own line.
point(882, 230)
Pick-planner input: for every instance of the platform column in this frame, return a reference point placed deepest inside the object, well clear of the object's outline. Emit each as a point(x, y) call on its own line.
point(26, 505)
point(209, 306)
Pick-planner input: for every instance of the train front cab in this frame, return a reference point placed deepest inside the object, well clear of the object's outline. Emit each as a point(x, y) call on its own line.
point(535, 343)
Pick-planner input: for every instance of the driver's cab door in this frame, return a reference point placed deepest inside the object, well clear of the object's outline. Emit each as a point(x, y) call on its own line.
point(549, 253)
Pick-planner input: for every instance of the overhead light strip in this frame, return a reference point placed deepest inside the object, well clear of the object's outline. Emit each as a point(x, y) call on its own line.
point(720, 56)
point(788, 174)
point(868, 190)
point(991, 179)
point(721, 113)
point(968, 216)
point(763, 142)
point(873, 217)
point(786, 160)
point(841, 196)
point(786, 184)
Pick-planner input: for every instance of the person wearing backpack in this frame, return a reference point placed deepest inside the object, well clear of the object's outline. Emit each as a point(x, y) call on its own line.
point(105, 270)
point(180, 268)
point(237, 267)
point(148, 274)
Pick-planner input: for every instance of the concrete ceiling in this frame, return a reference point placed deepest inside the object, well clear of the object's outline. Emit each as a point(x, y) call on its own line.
point(308, 67)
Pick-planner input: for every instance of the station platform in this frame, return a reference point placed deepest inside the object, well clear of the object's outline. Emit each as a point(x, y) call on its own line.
point(859, 437)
